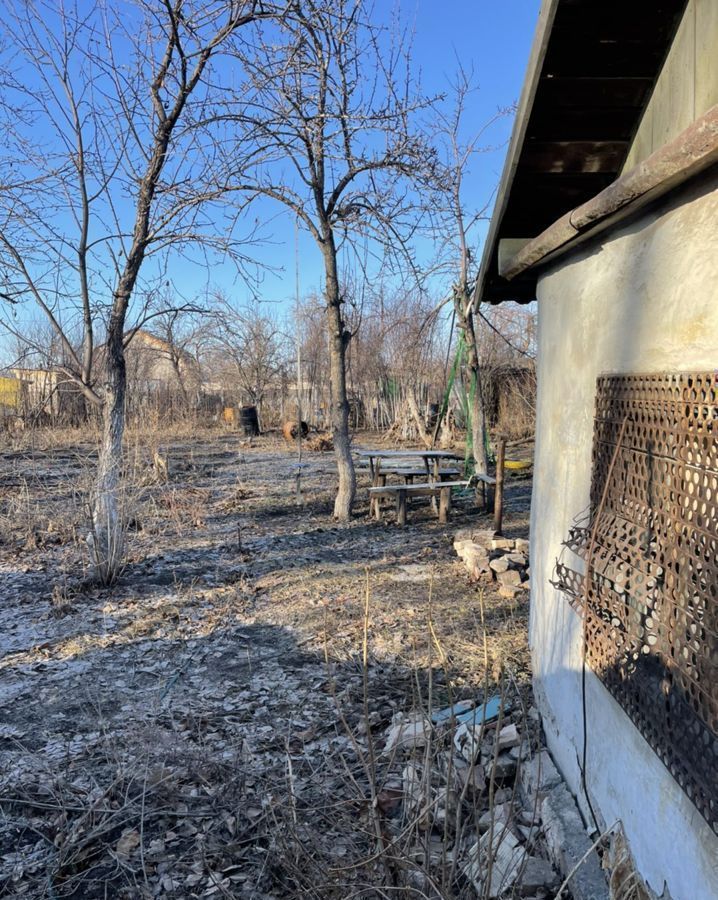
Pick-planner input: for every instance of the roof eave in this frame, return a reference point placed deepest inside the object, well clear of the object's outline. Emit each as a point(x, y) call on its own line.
point(689, 154)
point(547, 14)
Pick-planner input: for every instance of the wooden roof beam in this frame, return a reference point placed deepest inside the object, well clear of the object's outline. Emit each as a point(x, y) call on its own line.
point(692, 152)
point(556, 157)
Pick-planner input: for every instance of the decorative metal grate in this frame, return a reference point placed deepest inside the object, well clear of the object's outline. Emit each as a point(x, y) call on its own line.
point(648, 583)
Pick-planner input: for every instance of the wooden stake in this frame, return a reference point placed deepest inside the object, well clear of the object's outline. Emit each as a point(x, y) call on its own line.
point(299, 362)
point(379, 481)
point(499, 495)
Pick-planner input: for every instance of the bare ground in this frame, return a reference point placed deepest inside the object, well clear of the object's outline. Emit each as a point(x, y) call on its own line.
point(213, 725)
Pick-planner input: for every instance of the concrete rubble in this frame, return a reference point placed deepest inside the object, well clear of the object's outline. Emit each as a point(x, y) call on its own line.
point(483, 764)
point(547, 815)
point(568, 844)
point(494, 862)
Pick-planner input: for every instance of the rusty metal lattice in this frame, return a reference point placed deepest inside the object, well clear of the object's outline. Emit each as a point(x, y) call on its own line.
point(645, 570)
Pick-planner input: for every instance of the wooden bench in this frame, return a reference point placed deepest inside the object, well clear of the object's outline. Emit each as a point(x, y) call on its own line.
point(488, 485)
point(427, 489)
point(410, 474)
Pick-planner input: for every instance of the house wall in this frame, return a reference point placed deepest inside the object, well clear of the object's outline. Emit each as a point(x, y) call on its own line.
point(687, 86)
point(641, 299)
point(150, 360)
point(10, 395)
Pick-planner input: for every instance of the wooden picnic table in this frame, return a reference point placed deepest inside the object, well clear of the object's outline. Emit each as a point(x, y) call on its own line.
point(431, 460)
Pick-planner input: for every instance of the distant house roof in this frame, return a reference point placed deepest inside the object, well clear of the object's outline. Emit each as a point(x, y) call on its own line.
point(592, 69)
point(146, 338)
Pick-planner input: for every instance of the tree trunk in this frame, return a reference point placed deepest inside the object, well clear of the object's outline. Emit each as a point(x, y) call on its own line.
point(177, 368)
point(107, 525)
point(338, 404)
point(473, 388)
point(477, 412)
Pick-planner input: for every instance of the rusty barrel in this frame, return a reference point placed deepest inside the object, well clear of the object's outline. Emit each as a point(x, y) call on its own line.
point(289, 430)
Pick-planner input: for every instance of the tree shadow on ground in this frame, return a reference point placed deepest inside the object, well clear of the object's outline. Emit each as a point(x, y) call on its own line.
point(237, 757)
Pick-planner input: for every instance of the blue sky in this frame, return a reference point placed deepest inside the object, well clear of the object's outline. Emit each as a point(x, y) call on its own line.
point(492, 37)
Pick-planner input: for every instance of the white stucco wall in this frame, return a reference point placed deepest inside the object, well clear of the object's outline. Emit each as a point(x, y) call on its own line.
point(644, 298)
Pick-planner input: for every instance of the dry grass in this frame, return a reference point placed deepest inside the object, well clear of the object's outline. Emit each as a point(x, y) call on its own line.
point(216, 724)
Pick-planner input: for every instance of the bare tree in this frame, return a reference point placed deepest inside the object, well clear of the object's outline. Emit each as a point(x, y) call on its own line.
point(456, 227)
point(48, 396)
point(311, 326)
point(176, 334)
point(330, 110)
point(396, 359)
point(105, 169)
point(248, 343)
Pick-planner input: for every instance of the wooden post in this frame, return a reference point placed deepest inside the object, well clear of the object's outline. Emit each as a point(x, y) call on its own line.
point(499, 495)
point(401, 508)
point(432, 469)
point(299, 365)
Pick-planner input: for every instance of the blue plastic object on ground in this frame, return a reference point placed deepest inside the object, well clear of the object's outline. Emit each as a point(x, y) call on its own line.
point(487, 712)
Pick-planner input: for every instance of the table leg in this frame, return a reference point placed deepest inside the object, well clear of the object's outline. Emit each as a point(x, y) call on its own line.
point(401, 508)
point(426, 466)
point(433, 477)
point(381, 482)
point(444, 505)
point(374, 468)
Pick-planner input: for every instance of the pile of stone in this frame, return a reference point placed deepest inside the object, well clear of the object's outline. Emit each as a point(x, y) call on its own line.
point(460, 766)
point(491, 558)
